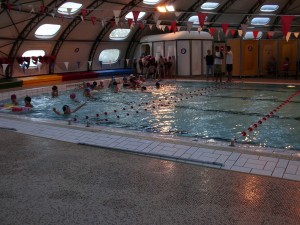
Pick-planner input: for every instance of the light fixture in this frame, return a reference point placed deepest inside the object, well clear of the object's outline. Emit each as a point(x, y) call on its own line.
point(165, 8)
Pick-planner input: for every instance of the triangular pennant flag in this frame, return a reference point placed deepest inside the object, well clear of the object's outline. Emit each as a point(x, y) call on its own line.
point(90, 64)
point(52, 14)
point(42, 9)
point(9, 7)
point(103, 22)
point(135, 15)
point(270, 34)
point(39, 65)
point(240, 32)
point(244, 28)
point(255, 33)
point(199, 29)
point(296, 34)
point(66, 65)
point(156, 16)
point(178, 28)
point(93, 19)
point(286, 23)
point(173, 26)
point(232, 32)
point(177, 14)
point(127, 62)
point(212, 31)
point(150, 26)
point(117, 13)
point(4, 66)
point(158, 22)
point(225, 28)
point(189, 26)
point(81, 17)
point(141, 25)
point(202, 17)
point(129, 22)
point(287, 37)
point(163, 27)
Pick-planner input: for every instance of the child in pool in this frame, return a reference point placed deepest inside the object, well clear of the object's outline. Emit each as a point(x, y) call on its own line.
point(67, 110)
point(54, 92)
point(73, 97)
point(87, 93)
point(13, 99)
point(28, 102)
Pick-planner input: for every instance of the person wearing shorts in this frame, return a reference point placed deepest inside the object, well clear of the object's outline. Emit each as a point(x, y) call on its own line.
point(229, 61)
point(218, 64)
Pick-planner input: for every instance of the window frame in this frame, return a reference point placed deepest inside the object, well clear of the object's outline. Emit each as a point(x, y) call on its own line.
point(119, 38)
point(48, 36)
point(107, 62)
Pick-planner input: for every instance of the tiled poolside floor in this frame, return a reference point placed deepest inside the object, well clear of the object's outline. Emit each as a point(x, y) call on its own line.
point(276, 164)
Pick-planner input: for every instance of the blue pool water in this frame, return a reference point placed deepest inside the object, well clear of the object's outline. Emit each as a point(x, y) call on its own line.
point(179, 109)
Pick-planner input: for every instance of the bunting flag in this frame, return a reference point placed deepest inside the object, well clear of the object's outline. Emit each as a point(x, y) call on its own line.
point(158, 22)
point(189, 26)
point(93, 19)
point(129, 22)
point(178, 28)
point(117, 13)
point(4, 66)
point(286, 23)
point(156, 16)
point(66, 65)
point(90, 64)
point(53, 14)
point(112, 23)
point(287, 37)
point(296, 34)
point(9, 7)
point(162, 27)
point(225, 28)
point(244, 28)
point(135, 15)
point(78, 64)
point(141, 25)
point(39, 65)
point(202, 17)
point(212, 31)
point(103, 22)
point(199, 29)
point(83, 13)
point(270, 34)
point(127, 62)
point(177, 14)
point(69, 10)
point(240, 32)
point(232, 32)
point(32, 10)
point(255, 33)
point(42, 9)
point(173, 26)
point(150, 26)
point(81, 17)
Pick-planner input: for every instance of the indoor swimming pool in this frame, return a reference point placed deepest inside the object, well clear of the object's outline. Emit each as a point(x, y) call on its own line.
point(253, 114)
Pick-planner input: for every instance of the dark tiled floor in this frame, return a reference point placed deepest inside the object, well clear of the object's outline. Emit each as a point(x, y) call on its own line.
point(51, 182)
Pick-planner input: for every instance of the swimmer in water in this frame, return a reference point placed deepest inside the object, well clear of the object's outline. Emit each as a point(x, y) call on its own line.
point(67, 110)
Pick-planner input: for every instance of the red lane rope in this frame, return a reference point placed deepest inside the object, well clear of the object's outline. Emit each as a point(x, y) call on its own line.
point(269, 115)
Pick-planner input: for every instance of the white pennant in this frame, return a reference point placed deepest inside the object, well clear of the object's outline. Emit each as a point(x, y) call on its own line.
point(4, 67)
point(67, 65)
point(39, 65)
point(178, 28)
point(53, 14)
point(117, 13)
point(127, 62)
point(287, 37)
point(69, 10)
point(150, 26)
point(189, 26)
point(158, 22)
point(90, 64)
point(163, 27)
point(296, 34)
point(177, 14)
point(32, 10)
point(240, 32)
point(117, 19)
point(199, 29)
point(81, 17)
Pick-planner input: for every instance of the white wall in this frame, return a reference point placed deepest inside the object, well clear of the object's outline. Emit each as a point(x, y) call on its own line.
point(183, 60)
point(197, 58)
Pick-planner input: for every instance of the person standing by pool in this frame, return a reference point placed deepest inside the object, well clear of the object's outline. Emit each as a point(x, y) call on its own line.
point(229, 62)
point(67, 110)
point(209, 58)
point(218, 64)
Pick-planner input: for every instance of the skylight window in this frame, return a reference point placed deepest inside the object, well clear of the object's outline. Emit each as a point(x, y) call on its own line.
point(269, 8)
point(69, 8)
point(260, 20)
point(130, 15)
point(119, 34)
point(31, 53)
point(109, 56)
point(210, 5)
point(151, 2)
point(195, 20)
point(249, 35)
point(47, 31)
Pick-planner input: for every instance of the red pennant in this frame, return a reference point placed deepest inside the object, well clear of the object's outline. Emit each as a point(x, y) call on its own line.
point(255, 33)
point(9, 7)
point(173, 26)
point(201, 17)
point(20, 60)
point(42, 9)
point(113, 23)
point(212, 31)
point(141, 25)
point(270, 34)
point(225, 27)
point(232, 32)
point(129, 22)
point(93, 19)
point(286, 23)
point(83, 12)
point(135, 15)
point(34, 59)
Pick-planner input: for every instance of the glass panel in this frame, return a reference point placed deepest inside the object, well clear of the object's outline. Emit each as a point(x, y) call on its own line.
point(46, 31)
point(269, 8)
point(69, 8)
point(119, 34)
point(109, 56)
point(210, 5)
point(260, 20)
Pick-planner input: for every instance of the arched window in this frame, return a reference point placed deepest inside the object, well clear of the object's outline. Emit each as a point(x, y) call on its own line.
point(109, 56)
point(119, 34)
point(47, 31)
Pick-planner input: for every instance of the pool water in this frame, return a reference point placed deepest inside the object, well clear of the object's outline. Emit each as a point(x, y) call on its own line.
point(192, 109)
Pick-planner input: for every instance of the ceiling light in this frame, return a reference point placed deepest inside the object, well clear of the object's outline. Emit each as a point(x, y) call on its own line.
point(170, 8)
point(161, 9)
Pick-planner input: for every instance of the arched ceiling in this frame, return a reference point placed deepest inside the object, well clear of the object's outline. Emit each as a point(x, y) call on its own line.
point(20, 19)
